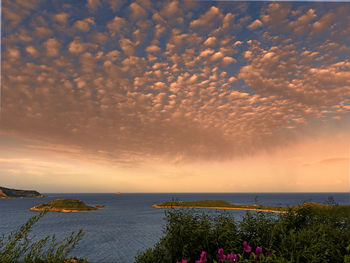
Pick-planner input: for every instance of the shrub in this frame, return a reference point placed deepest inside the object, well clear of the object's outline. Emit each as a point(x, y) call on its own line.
point(19, 247)
point(308, 233)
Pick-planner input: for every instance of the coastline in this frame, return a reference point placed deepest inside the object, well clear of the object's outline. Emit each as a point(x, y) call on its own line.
point(218, 207)
point(58, 210)
point(20, 197)
point(63, 205)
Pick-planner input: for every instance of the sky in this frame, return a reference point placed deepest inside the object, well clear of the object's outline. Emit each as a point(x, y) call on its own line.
point(175, 96)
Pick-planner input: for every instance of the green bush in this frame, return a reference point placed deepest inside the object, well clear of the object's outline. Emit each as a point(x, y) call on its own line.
point(19, 247)
point(308, 233)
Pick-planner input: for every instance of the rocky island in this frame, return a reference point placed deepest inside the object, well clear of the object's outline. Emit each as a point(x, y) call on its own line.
point(64, 206)
point(220, 204)
point(15, 193)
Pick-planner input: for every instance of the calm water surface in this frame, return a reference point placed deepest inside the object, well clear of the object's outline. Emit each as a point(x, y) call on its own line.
point(127, 224)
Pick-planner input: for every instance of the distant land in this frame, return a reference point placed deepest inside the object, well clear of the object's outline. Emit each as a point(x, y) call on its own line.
point(220, 204)
point(65, 206)
point(15, 193)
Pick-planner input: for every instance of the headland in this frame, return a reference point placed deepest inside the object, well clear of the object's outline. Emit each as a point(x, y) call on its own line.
point(15, 193)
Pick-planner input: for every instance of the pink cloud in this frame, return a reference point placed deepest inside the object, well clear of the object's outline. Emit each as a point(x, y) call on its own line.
point(211, 41)
point(208, 19)
point(137, 12)
point(84, 25)
point(52, 46)
point(61, 18)
point(255, 24)
point(118, 24)
point(303, 22)
point(153, 49)
point(93, 4)
point(32, 51)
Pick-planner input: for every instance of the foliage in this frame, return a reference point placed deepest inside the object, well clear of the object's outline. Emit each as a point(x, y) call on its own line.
point(306, 233)
point(19, 247)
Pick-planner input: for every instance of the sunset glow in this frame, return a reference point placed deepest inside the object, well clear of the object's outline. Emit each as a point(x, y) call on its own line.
point(175, 96)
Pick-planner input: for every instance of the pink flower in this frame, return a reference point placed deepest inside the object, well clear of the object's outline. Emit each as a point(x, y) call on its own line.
point(247, 248)
point(221, 254)
point(203, 257)
point(232, 257)
point(268, 254)
point(258, 250)
point(182, 261)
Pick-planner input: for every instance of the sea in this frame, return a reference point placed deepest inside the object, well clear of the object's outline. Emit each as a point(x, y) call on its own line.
point(127, 224)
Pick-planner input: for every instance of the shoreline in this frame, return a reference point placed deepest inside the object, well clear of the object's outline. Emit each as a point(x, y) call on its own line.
point(64, 206)
point(58, 210)
point(20, 197)
point(218, 207)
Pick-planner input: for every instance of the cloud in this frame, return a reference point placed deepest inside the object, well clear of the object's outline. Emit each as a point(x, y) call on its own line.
point(153, 49)
point(84, 25)
point(13, 53)
point(137, 12)
point(52, 46)
point(228, 60)
point(117, 25)
point(61, 18)
point(333, 161)
point(255, 24)
point(76, 47)
point(201, 88)
point(336, 160)
point(323, 23)
point(170, 9)
point(32, 51)
point(275, 15)
point(211, 41)
point(93, 5)
point(209, 19)
point(303, 22)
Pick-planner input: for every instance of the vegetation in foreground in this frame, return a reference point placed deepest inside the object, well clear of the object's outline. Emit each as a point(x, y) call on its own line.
point(19, 247)
point(64, 205)
point(306, 233)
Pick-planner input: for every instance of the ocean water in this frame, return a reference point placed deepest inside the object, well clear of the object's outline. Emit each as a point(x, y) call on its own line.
point(127, 224)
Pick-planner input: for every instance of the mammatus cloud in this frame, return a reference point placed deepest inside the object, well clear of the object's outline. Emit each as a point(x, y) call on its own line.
point(157, 80)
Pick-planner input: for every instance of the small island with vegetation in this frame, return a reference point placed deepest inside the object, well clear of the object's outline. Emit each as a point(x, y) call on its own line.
point(15, 193)
point(220, 204)
point(64, 206)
